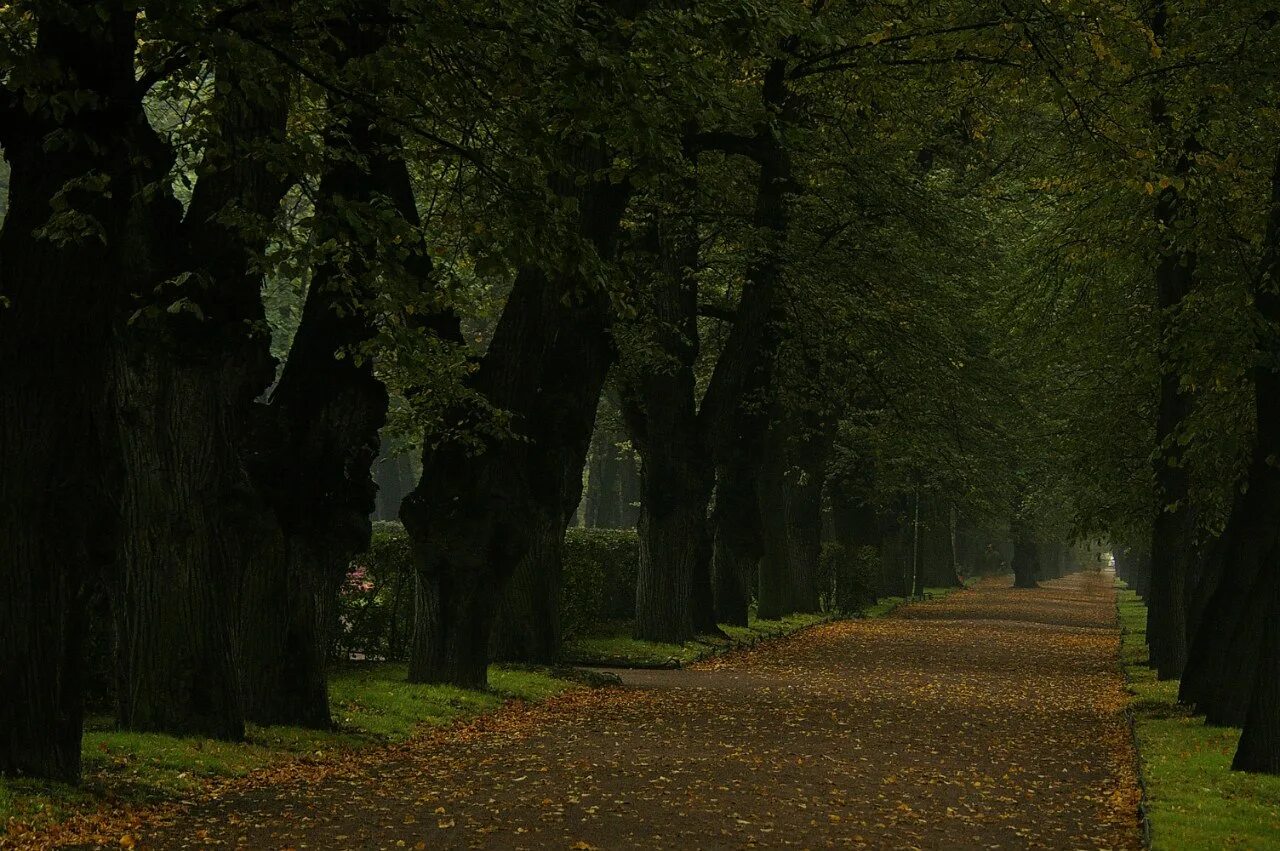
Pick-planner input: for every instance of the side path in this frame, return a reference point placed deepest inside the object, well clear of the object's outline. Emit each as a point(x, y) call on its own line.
point(991, 718)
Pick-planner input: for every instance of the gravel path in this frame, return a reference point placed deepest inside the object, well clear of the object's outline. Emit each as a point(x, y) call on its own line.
point(988, 719)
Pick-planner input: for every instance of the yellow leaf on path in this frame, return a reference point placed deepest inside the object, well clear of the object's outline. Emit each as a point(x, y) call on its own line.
point(127, 841)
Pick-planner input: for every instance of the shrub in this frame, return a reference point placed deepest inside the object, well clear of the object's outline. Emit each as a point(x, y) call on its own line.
point(599, 578)
point(375, 605)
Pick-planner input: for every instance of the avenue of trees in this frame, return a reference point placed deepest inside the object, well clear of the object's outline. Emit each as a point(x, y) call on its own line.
point(800, 277)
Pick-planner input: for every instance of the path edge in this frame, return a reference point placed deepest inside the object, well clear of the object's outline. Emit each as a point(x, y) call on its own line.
point(1144, 815)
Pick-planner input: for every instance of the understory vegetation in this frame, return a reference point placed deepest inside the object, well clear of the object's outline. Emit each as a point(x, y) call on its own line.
point(1194, 800)
point(372, 704)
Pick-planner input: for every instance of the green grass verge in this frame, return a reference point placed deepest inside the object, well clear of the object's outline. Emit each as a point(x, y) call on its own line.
point(614, 645)
point(1194, 799)
point(372, 704)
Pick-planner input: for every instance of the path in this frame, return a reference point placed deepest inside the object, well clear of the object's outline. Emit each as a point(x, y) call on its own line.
point(991, 718)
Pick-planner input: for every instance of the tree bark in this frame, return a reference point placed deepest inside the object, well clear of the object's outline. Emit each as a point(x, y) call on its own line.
point(527, 624)
point(58, 294)
point(1026, 557)
point(1259, 748)
point(1243, 577)
point(738, 544)
point(473, 517)
point(185, 381)
point(1173, 536)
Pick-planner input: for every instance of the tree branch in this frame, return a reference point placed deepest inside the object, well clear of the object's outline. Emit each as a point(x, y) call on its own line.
point(715, 311)
point(751, 147)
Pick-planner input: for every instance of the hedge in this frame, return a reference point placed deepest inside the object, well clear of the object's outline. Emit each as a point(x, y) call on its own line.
point(375, 611)
point(599, 578)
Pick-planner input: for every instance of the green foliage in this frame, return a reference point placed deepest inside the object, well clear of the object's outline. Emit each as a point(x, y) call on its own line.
point(613, 643)
point(375, 611)
point(857, 571)
point(599, 576)
point(375, 603)
point(1195, 801)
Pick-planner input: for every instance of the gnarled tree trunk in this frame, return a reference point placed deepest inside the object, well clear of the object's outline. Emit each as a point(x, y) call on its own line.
point(58, 294)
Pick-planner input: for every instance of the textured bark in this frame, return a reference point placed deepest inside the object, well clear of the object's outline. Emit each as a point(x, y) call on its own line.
point(1026, 557)
point(741, 385)
point(1243, 578)
point(58, 485)
point(1259, 748)
point(473, 517)
point(184, 548)
point(1173, 536)
point(185, 383)
point(775, 590)
point(674, 596)
point(527, 624)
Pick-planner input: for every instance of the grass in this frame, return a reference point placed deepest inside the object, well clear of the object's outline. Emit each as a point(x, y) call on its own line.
point(614, 645)
point(371, 703)
point(1195, 801)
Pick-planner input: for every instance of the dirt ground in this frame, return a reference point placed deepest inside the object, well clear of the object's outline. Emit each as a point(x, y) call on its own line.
point(988, 719)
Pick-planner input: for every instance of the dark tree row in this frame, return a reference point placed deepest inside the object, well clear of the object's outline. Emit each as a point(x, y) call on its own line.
point(775, 274)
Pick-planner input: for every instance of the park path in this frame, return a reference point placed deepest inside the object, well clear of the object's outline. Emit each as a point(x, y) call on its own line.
point(988, 719)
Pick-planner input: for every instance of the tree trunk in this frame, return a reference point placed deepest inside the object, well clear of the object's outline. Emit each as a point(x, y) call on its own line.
point(184, 505)
point(733, 414)
point(1243, 574)
point(604, 482)
point(59, 293)
point(738, 546)
point(856, 535)
point(474, 516)
point(527, 624)
point(674, 598)
point(1173, 537)
point(1259, 748)
point(185, 383)
point(1026, 557)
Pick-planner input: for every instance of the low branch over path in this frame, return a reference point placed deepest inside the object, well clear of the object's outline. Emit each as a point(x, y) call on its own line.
point(991, 718)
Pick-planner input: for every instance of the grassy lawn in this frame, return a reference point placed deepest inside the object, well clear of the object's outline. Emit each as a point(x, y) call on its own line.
point(615, 646)
point(372, 704)
point(1195, 801)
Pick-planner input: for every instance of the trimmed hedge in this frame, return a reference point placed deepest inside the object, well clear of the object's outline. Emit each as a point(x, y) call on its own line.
point(600, 568)
point(375, 609)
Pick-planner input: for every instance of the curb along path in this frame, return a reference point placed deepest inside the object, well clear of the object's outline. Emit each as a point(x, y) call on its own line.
point(990, 718)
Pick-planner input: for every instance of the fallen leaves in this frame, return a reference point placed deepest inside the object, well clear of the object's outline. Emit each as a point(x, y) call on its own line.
point(987, 719)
